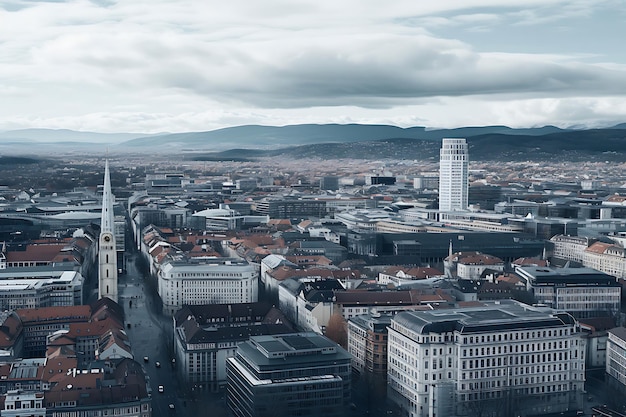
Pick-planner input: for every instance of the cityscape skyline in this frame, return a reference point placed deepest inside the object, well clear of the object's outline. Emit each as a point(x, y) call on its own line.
point(233, 252)
point(183, 66)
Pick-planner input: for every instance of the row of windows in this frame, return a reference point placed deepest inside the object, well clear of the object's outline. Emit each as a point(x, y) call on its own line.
point(516, 336)
point(499, 394)
point(210, 275)
point(532, 370)
point(528, 347)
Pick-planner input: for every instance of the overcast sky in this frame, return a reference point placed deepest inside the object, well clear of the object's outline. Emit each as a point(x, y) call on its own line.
point(193, 65)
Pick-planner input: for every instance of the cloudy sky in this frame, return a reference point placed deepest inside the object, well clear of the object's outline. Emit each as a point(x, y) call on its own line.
point(192, 65)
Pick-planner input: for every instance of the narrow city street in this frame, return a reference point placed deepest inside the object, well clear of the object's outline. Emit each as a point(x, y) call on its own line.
point(151, 337)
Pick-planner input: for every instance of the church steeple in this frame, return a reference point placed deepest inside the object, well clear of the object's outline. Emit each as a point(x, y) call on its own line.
point(107, 254)
point(107, 219)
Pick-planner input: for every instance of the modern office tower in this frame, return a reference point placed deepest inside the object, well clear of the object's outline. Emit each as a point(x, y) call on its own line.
point(487, 360)
point(296, 374)
point(453, 175)
point(107, 255)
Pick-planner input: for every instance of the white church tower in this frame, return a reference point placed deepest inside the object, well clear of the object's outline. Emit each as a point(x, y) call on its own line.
point(107, 277)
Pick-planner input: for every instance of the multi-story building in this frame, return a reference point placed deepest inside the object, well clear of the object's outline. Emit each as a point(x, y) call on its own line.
point(426, 181)
point(205, 335)
point(333, 251)
point(35, 287)
point(289, 375)
point(606, 257)
point(207, 281)
point(471, 265)
point(453, 175)
point(24, 403)
point(29, 374)
point(339, 204)
point(291, 208)
point(583, 292)
point(353, 303)
point(330, 183)
point(308, 303)
point(498, 357)
point(435, 244)
point(398, 276)
point(616, 354)
point(117, 389)
point(41, 322)
point(246, 184)
point(83, 323)
point(379, 180)
point(224, 218)
point(570, 248)
point(367, 342)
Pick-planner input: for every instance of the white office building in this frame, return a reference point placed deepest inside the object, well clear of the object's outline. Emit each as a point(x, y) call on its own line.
point(571, 248)
point(498, 357)
point(207, 281)
point(616, 354)
point(453, 175)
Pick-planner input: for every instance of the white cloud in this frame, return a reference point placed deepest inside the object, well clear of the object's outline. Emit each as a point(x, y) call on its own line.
point(165, 65)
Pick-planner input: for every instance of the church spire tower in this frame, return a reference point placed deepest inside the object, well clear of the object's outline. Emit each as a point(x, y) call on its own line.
point(107, 255)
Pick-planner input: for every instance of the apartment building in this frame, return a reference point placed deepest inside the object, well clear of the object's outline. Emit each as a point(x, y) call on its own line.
point(41, 322)
point(570, 248)
point(367, 342)
point(606, 257)
point(206, 335)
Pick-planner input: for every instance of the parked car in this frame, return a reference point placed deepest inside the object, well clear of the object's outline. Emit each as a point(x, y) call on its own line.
point(161, 389)
point(146, 359)
point(157, 364)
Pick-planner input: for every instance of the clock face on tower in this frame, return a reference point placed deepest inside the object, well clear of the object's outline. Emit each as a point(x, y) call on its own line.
point(107, 238)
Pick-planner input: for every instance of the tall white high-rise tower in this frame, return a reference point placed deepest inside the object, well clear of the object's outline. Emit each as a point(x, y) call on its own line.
point(453, 175)
point(107, 255)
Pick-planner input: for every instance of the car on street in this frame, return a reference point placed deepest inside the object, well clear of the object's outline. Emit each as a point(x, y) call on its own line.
point(146, 359)
point(157, 364)
point(171, 407)
point(161, 389)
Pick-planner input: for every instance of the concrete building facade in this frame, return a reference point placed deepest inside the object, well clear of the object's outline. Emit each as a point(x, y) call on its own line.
point(501, 354)
point(207, 281)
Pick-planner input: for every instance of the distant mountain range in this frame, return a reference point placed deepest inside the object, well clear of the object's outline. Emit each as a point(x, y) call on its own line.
point(66, 136)
point(334, 141)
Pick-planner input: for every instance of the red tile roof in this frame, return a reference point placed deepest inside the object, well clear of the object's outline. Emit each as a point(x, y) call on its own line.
point(47, 314)
point(39, 253)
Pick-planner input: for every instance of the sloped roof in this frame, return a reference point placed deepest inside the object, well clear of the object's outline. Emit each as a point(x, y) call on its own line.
point(37, 253)
point(49, 314)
